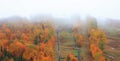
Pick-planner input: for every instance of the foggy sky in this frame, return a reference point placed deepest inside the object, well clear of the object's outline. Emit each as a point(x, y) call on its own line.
point(60, 8)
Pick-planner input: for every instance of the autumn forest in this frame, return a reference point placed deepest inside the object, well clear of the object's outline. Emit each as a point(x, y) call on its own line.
point(47, 40)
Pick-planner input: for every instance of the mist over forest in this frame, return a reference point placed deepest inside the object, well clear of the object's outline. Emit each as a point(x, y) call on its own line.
point(59, 30)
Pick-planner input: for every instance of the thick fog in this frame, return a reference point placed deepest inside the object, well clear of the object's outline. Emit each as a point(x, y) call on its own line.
point(61, 8)
point(63, 12)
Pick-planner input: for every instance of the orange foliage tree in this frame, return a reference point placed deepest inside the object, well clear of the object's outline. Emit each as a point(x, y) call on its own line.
point(97, 39)
point(71, 57)
point(77, 35)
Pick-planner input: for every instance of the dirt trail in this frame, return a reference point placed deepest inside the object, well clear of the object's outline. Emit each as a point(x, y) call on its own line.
point(66, 46)
point(86, 56)
point(112, 50)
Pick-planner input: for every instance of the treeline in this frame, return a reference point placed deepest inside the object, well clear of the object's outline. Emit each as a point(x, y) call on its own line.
point(35, 41)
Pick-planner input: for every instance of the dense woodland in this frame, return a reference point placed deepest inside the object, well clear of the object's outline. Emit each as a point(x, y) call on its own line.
point(49, 41)
point(27, 42)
